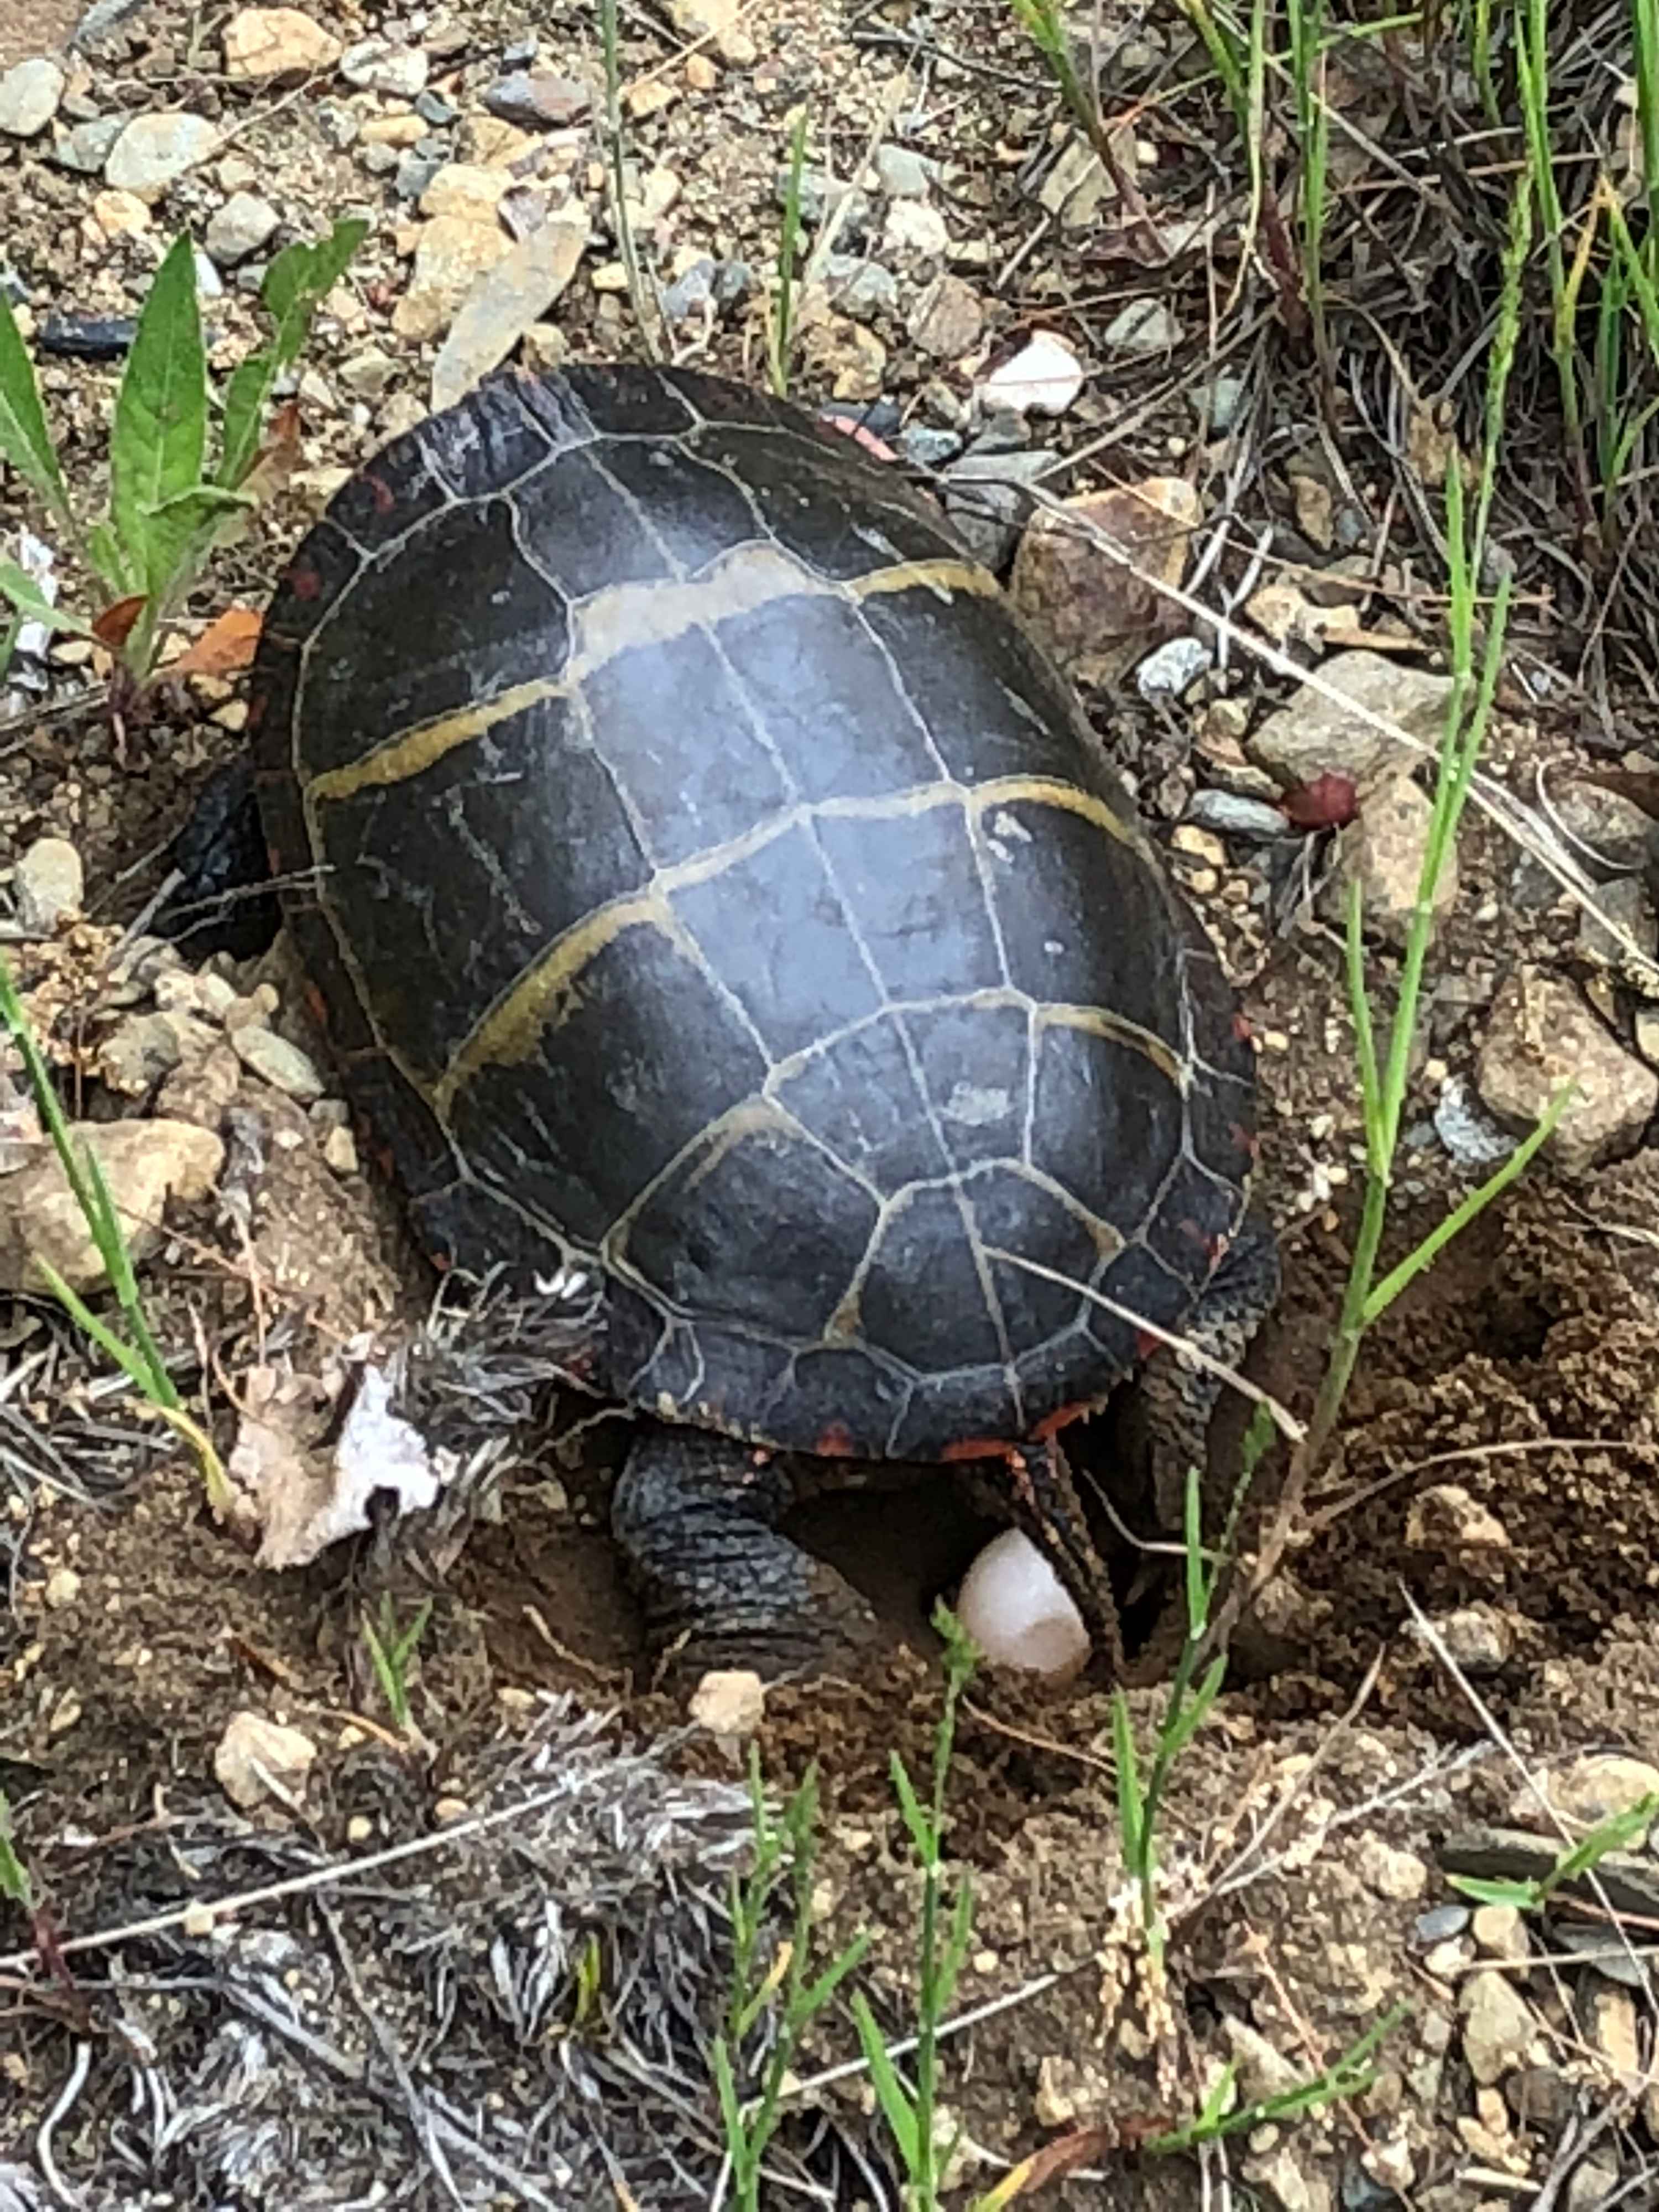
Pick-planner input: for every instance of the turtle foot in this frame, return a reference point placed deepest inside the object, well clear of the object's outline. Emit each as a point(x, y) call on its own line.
point(696, 1516)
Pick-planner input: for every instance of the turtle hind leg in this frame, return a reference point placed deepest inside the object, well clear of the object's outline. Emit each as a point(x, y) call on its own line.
point(697, 1517)
point(1176, 1397)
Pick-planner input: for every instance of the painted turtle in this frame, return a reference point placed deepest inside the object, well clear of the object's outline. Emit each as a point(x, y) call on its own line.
point(728, 922)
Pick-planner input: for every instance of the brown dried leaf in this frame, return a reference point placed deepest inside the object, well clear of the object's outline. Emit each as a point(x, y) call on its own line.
point(225, 646)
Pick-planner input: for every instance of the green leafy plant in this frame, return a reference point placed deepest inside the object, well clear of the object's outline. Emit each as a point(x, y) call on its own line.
point(391, 1653)
point(169, 504)
point(1616, 1833)
point(786, 1850)
point(14, 1885)
point(780, 312)
point(135, 1352)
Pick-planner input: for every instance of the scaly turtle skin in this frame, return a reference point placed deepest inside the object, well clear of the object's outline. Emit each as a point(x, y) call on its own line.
point(723, 914)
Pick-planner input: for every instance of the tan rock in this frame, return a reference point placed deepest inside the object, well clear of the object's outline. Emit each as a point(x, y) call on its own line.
point(450, 253)
point(1540, 1034)
point(465, 190)
point(1382, 850)
point(144, 1164)
point(256, 1758)
point(1079, 597)
point(265, 42)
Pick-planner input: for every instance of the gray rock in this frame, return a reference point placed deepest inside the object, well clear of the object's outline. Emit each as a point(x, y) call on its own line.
point(1439, 1925)
point(1169, 668)
point(241, 227)
point(539, 100)
point(1144, 326)
point(1608, 829)
point(903, 174)
point(382, 65)
point(87, 148)
point(100, 19)
point(691, 292)
point(338, 124)
point(859, 286)
point(1231, 815)
point(415, 171)
point(154, 151)
point(29, 94)
point(48, 886)
point(914, 226)
point(987, 497)
point(282, 1065)
point(380, 160)
point(1464, 1130)
point(365, 375)
point(1218, 401)
point(142, 1048)
point(1626, 906)
point(949, 320)
point(926, 447)
point(733, 282)
point(1313, 734)
point(820, 193)
point(1540, 2097)
point(432, 108)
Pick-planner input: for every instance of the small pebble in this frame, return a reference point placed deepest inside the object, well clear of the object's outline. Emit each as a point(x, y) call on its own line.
point(282, 1065)
point(340, 1152)
point(29, 94)
point(48, 886)
point(1441, 1924)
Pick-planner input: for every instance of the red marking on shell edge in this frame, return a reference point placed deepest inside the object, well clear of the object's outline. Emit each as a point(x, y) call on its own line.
point(1241, 1028)
point(385, 499)
point(1061, 1418)
point(256, 711)
point(313, 997)
point(1147, 1344)
point(980, 1448)
point(835, 1442)
point(304, 581)
point(1247, 1140)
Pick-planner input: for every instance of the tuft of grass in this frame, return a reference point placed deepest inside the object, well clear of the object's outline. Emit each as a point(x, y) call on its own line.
point(391, 1653)
point(1476, 656)
point(1616, 1833)
point(169, 505)
point(780, 311)
point(912, 2115)
point(135, 1353)
point(782, 1985)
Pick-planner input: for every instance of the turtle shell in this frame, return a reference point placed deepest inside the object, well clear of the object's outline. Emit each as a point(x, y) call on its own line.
point(711, 889)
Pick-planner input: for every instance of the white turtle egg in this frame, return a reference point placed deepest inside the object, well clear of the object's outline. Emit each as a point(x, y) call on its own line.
point(1015, 1609)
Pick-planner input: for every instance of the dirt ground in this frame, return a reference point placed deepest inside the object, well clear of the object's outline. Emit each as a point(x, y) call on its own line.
point(522, 2013)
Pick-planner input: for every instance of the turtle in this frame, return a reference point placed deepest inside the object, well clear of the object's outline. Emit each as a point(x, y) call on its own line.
point(732, 932)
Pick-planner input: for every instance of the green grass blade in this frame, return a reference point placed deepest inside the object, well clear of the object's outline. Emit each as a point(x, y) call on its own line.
point(896, 2108)
point(1131, 1810)
point(25, 438)
point(25, 594)
point(159, 432)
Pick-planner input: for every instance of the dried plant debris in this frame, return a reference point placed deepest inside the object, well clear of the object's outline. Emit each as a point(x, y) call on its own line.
point(520, 2014)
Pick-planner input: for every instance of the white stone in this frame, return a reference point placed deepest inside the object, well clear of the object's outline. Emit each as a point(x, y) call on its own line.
point(1043, 378)
point(29, 94)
